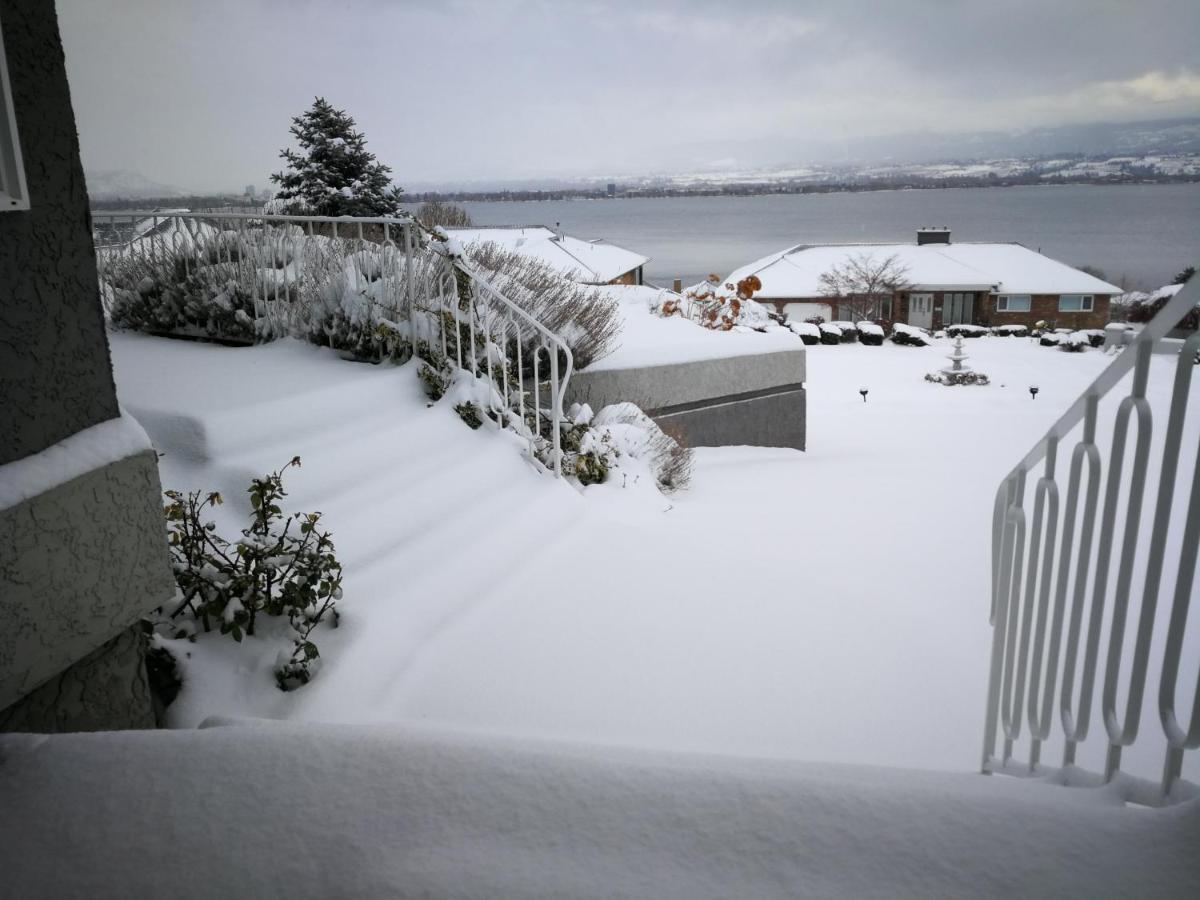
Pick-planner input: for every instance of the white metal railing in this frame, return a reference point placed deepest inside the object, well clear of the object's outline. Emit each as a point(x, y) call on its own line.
point(1071, 575)
point(527, 366)
point(420, 285)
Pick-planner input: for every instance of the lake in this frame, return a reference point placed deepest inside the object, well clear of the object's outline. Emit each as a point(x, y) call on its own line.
point(1139, 234)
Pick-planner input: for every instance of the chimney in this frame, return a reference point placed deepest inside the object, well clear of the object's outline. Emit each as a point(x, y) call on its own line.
point(933, 236)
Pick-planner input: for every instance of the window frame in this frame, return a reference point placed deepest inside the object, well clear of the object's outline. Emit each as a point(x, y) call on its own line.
point(1004, 303)
point(1087, 303)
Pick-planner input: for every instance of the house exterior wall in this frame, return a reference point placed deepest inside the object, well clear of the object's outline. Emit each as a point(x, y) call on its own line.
point(83, 561)
point(1043, 308)
point(55, 374)
point(632, 277)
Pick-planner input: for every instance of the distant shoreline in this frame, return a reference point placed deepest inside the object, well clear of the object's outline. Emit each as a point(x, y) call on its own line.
point(764, 190)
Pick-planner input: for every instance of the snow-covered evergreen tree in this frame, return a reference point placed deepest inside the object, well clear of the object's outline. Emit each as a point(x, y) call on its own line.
point(333, 174)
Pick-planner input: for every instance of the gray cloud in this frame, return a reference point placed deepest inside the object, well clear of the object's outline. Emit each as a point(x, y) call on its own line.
point(200, 94)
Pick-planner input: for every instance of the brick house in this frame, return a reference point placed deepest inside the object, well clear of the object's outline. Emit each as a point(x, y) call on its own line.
point(987, 284)
point(588, 262)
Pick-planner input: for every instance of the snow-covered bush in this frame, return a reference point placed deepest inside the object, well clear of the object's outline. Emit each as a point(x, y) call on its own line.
point(583, 316)
point(1011, 330)
point(1051, 339)
point(180, 291)
point(346, 302)
point(280, 567)
point(955, 378)
point(849, 331)
point(621, 437)
point(870, 334)
point(962, 329)
point(909, 335)
point(721, 307)
point(1075, 342)
point(830, 334)
point(807, 332)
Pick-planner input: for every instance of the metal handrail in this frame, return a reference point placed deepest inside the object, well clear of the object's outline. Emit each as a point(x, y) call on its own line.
point(1036, 616)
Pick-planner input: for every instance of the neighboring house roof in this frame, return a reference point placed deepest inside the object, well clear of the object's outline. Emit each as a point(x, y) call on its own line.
point(590, 262)
point(998, 268)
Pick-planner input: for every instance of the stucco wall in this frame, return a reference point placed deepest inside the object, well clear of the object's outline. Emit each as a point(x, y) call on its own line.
point(80, 564)
point(55, 376)
point(105, 690)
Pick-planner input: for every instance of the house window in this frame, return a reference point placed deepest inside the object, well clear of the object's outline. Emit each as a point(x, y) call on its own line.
point(885, 309)
point(1075, 303)
point(1013, 303)
point(13, 194)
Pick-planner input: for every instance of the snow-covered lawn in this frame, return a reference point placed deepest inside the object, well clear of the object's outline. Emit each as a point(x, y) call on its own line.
point(826, 606)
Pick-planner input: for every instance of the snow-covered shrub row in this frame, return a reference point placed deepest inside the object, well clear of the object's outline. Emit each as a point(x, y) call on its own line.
point(284, 568)
point(180, 292)
point(581, 315)
point(964, 330)
point(1075, 341)
point(255, 285)
point(909, 335)
point(1011, 330)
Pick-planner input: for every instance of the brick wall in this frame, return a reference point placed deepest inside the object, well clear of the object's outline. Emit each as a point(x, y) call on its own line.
point(1044, 308)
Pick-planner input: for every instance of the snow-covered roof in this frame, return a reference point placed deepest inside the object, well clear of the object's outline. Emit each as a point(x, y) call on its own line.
point(997, 268)
point(590, 262)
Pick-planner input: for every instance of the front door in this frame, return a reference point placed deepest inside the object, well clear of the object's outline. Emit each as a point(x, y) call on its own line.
point(920, 310)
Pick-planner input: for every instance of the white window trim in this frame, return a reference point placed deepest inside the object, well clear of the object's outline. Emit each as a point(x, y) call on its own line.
point(1087, 303)
point(1006, 300)
point(14, 195)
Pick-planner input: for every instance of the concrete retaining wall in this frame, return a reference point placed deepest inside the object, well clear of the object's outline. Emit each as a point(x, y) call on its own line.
point(757, 400)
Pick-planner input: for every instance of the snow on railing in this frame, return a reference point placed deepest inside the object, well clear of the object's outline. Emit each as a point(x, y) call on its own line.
point(421, 285)
point(1071, 577)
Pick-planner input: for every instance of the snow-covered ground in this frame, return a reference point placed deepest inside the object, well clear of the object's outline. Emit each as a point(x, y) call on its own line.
point(284, 811)
point(827, 606)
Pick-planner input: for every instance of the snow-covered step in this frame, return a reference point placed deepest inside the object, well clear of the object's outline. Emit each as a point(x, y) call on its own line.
point(409, 811)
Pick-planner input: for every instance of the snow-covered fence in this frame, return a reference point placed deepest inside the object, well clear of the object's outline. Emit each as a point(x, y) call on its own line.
point(1091, 586)
point(351, 279)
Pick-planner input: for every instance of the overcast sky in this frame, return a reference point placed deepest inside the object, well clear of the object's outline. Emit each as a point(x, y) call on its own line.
point(199, 94)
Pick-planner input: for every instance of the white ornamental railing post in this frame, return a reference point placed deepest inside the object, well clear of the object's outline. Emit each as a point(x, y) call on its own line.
point(1056, 596)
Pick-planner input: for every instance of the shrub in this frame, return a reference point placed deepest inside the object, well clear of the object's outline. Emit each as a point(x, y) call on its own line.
point(849, 331)
point(955, 378)
point(830, 334)
point(1075, 342)
point(282, 567)
point(870, 334)
point(1050, 339)
point(1011, 330)
point(178, 291)
point(807, 332)
point(909, 335)
point(433, 213)
point(618, 437)
point(964, 330)
point(469, 413)
point(584, 317)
